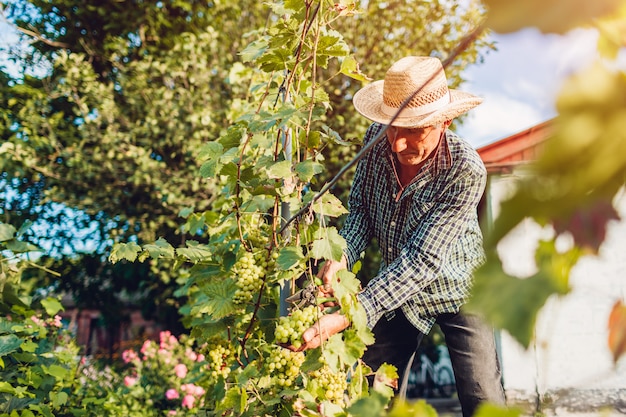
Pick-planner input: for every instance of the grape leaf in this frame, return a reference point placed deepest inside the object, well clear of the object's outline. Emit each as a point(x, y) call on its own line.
point(195, 251)
point(52, 306)
point(493, 410)
point(350, 67)
point(126, 251)
point(307, 169)
point(328, 244)
point(9, 343)
point(288, 257)
point(220, 295)
point(373, 405)
point(7, 232)
point(159, 249)
point(418, 408)
point(617, 330)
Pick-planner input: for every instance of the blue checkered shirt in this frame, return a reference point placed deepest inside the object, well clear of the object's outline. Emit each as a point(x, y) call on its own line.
point(428, 232)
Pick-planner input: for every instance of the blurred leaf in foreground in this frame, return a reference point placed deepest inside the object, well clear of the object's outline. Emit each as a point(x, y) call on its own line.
point(553, 16)
point(512, 303)
point(617, 330)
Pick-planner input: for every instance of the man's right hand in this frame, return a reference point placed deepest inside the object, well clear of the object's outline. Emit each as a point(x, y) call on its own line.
point(328, 271)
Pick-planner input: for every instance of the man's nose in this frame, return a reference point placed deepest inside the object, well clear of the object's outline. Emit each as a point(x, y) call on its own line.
point(398, 144)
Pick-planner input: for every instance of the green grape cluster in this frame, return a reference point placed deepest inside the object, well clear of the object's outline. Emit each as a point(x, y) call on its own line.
point(249, 277)
point(218, 358)
point(284, 365)
point(290, 328)
point(329, 385)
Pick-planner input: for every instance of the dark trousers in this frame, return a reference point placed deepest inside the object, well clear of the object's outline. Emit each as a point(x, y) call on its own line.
point(472, 351)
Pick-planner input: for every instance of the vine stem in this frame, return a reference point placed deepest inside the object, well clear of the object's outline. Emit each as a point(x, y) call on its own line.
point(286, 86)
point(465, 42)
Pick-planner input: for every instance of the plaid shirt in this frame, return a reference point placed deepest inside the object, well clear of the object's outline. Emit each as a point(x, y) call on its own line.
point(428, 232)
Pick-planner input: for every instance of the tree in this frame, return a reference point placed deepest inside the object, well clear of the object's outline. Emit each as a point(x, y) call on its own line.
point(107, 141)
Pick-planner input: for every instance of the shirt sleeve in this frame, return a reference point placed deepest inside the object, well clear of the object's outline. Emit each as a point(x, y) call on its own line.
point(357, 229)
point(422, 257)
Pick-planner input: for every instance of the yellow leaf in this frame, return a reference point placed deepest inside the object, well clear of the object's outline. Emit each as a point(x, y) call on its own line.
point(617, 330)
point(550, 16)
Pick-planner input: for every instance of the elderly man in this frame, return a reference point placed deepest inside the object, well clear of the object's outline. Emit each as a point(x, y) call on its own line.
point(417, 193)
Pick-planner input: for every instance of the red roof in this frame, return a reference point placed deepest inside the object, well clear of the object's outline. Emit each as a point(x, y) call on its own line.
point(516, 149)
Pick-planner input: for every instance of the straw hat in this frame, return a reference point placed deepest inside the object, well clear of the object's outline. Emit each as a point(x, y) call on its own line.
point(434, 103)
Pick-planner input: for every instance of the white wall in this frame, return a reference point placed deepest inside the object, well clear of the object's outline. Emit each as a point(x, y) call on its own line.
point(570, 350)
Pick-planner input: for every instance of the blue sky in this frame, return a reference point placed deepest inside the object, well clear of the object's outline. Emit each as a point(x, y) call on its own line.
point(520, 81)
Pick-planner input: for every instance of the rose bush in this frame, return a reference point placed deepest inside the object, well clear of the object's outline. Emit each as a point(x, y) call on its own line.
point(167, 377)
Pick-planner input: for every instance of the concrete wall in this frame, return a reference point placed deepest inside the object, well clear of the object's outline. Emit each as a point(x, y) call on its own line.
point(569, 365)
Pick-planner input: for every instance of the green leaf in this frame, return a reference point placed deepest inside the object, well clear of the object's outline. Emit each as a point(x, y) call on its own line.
point(56, 371)
point(9, 343)
point(160, 249)
point(512, 303)
point(195, 251)
point(350, 67)
point(328, 205)
point(6, 387)
point(58, 398)
point(373, 405)
point(220, 297)
point(7, 232)
point(308, 169)
point(492, 410)
point(280, 170)
point(52, 306)
point(126, 251)
point(29, 346)
point(386, 378)
point(328, 244)
point(254, 50)
point(17, 246)
point(418, 408)
point(289, 257)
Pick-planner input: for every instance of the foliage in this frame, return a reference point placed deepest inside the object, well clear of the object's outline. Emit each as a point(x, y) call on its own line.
point(37, 356)
point(103, 145)
point(163, 378)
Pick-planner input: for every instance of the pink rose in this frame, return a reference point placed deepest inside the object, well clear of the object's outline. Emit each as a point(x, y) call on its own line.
point(129, 381)
point(172, 394)
point(200, 357)
point(181, 370)
point(57, 321)
point(188, 401)
point(129, 355)
point(191, 355)
point(199, 391)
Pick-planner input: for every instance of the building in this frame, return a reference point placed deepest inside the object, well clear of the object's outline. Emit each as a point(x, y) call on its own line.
point(569, 366)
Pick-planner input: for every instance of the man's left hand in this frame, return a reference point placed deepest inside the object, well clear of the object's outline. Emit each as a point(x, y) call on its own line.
point(327, 326)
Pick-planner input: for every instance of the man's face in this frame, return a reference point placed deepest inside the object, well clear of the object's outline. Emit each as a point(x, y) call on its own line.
point(413, 145)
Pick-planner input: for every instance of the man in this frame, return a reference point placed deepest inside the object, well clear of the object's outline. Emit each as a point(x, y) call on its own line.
point(417, 193)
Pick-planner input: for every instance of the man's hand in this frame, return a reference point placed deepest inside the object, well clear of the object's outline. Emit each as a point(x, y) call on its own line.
point(327, 326)
point(328, 271)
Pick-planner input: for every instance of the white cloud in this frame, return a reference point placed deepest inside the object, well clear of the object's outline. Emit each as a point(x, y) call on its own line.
point(497, 117)
point(520, 81)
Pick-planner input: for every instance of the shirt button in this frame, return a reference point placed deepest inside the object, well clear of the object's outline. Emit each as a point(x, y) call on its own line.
point(388, 249)
point(393, 224)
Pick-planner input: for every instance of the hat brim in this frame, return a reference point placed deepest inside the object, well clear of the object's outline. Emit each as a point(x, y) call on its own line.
point(369, 99)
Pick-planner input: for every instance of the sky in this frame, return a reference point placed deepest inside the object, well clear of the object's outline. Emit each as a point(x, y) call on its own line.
point(518, 82)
